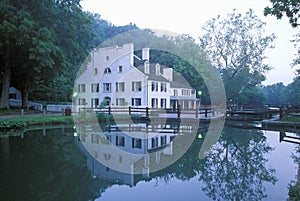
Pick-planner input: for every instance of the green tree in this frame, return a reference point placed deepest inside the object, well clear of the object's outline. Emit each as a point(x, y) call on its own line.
point(292, 92)
point(16, 28)
point(236, 45)
point(41, 47)
point(290, 8)
point(275, 94)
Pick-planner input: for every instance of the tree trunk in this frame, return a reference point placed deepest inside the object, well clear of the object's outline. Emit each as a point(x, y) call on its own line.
point(5, 86)
point(24, 99)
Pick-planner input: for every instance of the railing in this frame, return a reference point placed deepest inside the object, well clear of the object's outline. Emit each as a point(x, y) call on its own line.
point(147, 112)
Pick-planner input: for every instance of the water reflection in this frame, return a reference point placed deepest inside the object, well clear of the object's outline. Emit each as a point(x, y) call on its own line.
point(137, 148)
point(235, 168)
point(294, 185)
point(41, 166)
point(52, 164)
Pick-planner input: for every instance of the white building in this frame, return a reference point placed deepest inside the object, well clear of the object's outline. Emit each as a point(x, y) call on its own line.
point(111, 78)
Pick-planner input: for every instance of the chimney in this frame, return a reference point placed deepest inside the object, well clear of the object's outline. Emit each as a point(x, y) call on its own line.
point(168, 74)
point(146, 67)
point(146, 54)
point(157, 69)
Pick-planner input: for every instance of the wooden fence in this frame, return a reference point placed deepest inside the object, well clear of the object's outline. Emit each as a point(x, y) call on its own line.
point(151, 112)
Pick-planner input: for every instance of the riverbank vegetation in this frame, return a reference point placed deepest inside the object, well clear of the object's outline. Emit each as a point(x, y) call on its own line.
point(25, 122)
point(291, 119)
point(17, 123)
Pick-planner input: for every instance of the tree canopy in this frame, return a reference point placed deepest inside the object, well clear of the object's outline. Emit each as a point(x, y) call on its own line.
point(236, 45)
point(290, 8)
point(37, 46)
point(42, 45)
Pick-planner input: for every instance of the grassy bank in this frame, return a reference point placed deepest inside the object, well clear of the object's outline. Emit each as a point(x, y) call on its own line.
point(291, 119)
point(25, 122)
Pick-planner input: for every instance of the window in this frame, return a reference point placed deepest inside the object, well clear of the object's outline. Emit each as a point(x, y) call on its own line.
point(163, 140)
point(120, 102)
point(136, 143)
point(163, 87)
point(120, 86)
point(107, 156)
point(120, 141)
point(94, 102)
point(95, 71)
point(107, 58)
point(107, 70)
point(154, 86)
point(12, 96)
point(108, 137)
point(192, 104)
point(95, 139)
point(120, 69)
point(104, 140)
point(185, 92)
point(81, 101)
point(136, 101)
point(81, 88)
point(95, 87)
point(120, 159)
point(136, 86)
point(154, 102)
point(163, 103)
point(106, 87)
point(106, 101)
point(154, 142)
point(175, 92)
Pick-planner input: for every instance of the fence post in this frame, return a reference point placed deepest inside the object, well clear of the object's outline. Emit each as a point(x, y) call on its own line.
point(44, 111)
point(129, 110)
point(109, 110)
point(147, 112)
point(22, 112)
point(178, 111)
point(197, 112)
point(205, 112)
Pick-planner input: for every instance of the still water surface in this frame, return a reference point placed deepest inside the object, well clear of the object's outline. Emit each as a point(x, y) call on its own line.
point(53, 164)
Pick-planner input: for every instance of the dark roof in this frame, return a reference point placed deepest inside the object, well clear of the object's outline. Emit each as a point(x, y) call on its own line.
point(152, 75)
point(179, 81)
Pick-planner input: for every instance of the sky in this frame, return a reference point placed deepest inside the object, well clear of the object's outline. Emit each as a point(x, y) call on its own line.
point(189, 16)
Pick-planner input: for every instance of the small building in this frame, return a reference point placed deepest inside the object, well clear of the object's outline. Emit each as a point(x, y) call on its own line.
point(15, 93)
point(112, 77)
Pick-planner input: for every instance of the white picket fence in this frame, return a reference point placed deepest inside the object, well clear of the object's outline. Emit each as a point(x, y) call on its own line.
point(57, 108)
point(39, 106)
point(18, 103)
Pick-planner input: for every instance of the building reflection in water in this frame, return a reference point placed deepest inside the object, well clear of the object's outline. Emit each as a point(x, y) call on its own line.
point(234, 167)
point(129, 152)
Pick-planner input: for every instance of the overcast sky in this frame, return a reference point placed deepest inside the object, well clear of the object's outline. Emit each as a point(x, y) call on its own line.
point(188, 16)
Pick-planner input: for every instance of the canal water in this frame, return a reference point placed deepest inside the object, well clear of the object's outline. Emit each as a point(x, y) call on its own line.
point(63, 164)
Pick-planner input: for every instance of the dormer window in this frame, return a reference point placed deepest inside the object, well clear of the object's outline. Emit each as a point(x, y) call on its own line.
point(107, 70)
point(157, 69)
point(120, 69)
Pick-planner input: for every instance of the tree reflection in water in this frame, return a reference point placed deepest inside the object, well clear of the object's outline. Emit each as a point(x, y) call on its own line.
point(294, 186)
point(235, 168)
